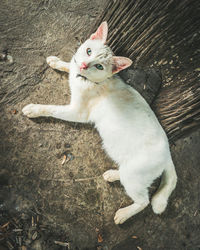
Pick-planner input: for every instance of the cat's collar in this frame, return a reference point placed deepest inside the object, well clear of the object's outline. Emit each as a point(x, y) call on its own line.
point(85, 78)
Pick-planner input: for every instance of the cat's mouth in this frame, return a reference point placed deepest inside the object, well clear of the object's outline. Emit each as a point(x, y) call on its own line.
point(81, 76)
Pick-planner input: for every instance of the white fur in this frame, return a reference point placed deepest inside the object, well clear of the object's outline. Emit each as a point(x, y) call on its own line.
point(130, 131)
point(111, 175)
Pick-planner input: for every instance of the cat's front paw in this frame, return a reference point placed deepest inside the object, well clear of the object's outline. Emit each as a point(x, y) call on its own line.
point(31, 110)
point(52, 61)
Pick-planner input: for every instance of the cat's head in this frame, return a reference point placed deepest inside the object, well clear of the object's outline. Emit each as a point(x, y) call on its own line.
point(95, 60)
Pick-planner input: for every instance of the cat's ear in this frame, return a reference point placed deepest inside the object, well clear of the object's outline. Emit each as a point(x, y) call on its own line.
point(120, 63)
point(101, 33)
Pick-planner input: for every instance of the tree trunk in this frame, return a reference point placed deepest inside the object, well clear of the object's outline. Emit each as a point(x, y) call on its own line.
point(163, 35)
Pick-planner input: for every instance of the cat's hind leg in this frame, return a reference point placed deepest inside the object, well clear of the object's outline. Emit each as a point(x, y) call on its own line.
point(141, 200)
point(111, 175)
point(55, 63)
point(167, 185)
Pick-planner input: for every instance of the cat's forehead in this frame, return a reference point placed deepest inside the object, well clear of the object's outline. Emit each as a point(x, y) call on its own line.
point(98, 48)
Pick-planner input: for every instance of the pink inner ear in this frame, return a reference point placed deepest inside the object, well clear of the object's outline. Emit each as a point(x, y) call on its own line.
point(98, 34)
point(101, 33)
point(120, 63)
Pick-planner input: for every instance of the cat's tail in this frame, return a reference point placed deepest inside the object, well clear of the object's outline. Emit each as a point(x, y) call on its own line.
point(167, 185)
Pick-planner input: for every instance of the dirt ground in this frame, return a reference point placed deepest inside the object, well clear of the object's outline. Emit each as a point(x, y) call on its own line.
point(47, 203)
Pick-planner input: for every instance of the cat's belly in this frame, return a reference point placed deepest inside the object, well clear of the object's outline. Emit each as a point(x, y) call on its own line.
point(131, 147)
point(136, 156)
point(132, 137)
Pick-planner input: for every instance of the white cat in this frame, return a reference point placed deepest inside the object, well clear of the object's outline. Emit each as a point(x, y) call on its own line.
point(131, 133)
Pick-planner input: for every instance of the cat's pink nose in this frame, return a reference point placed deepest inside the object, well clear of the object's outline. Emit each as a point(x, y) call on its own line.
point(83, 66)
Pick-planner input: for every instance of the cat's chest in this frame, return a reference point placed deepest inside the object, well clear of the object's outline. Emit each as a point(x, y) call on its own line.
point(89, 102)
point(88, 99)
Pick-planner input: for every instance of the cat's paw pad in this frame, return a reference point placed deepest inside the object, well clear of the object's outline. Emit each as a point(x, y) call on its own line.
point(121, 215)
point(111, 175)
point(52, 61)
point(31, 110)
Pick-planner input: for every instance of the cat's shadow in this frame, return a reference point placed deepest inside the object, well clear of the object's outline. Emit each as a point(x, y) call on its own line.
point(49, 120)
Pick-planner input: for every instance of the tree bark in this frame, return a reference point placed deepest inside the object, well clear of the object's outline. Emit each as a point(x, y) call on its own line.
point(162, 35)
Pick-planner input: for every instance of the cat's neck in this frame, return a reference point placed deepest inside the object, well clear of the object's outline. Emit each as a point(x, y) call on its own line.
point(86, 79)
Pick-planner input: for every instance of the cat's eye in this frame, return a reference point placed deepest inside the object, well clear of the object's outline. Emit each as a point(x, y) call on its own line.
point(99, 66)
point(89, 51)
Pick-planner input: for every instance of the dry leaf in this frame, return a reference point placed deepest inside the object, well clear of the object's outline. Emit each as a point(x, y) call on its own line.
point(134, 237)
point(14, 111)
point(195, 213)
point(64, 159)
point(34, 236)
point(100, 239)
point(64, 244)
point(5, 225)
point(32, 222)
